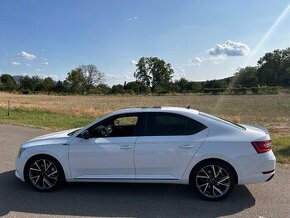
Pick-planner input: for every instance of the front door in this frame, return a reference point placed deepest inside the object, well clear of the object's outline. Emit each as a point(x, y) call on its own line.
point(103, 157)
point(108, 153)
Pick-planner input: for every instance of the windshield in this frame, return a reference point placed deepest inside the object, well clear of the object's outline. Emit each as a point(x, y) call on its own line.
point(73, 132)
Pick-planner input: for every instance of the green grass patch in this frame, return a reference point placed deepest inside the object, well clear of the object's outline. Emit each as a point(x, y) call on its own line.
point(281, 148)
point(43, 119)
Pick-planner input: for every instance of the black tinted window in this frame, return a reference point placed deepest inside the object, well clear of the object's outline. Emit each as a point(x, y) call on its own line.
point(171, 124)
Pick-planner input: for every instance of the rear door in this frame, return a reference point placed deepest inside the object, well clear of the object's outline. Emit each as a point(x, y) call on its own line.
point(169, 143)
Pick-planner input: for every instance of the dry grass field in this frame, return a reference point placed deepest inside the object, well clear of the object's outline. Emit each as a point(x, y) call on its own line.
point(273, 111)
point(60, 112)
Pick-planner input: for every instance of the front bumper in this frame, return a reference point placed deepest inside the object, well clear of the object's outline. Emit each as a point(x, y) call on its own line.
point(19, 172)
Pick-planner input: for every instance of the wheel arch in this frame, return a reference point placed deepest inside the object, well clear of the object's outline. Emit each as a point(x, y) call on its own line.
point(39, 156)
point(236, 178)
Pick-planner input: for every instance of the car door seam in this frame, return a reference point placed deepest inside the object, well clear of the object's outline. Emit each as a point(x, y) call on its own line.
point(195, 153)
point(134, 157)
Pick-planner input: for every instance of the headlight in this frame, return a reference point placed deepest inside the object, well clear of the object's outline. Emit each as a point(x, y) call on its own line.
point(20, 151)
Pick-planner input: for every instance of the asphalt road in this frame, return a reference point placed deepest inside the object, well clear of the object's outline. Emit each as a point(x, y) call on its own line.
point(17, 199)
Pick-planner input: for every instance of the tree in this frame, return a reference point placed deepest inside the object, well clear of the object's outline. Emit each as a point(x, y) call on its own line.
point(26, 84)
point(273, 68)
point(59, 87)
point(142, 74)
point(102, 89)
point(36, 83)
point(213, 84)
point(30, 84)
point(92, 75)
point(8, 82)
point(195, 86)
point(136, 87)
point(47, 84)
point(117, 89)
point(76, 81)
point(247, 77)
point(183, 85)
point(154, 73)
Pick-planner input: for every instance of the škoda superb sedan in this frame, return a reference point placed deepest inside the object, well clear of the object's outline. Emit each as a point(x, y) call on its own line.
point(151, 145)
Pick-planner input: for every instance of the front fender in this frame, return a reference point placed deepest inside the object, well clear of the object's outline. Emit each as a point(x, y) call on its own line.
point(59, 152)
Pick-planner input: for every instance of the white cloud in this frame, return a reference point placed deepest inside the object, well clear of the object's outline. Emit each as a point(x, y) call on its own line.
point(132, 18)
point(28, 65)
point(133, 62)
point(15, 63)
point(238, 68)
point(179, 74)
point(179, 70)
point(118, 78)
point(217, 59)
point(230, 48)
point(44, 75)
point(196, 61)
point(44, 63)
point(26, 55)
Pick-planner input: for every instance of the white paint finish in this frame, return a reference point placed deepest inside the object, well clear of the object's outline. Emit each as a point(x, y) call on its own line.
point(165, 156)
point(102, 157)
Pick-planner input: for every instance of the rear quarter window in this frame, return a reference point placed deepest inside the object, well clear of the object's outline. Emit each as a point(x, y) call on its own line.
point(222, 120)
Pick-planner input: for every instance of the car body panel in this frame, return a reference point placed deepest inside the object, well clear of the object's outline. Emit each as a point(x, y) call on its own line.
point(102, 158)
point(166, 157)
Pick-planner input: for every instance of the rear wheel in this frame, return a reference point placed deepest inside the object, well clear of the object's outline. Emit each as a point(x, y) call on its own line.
point(44, 173)
point(212, 180)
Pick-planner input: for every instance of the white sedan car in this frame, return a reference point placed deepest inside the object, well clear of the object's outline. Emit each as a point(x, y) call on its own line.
point(151, 145)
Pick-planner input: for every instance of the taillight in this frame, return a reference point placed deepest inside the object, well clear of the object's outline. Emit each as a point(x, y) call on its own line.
point(262, 146)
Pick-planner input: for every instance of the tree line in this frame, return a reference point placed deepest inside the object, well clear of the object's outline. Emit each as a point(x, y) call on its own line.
point(154, 75)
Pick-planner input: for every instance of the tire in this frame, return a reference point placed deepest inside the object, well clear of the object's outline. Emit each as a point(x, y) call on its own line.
point(44, 173)
point(212, 180)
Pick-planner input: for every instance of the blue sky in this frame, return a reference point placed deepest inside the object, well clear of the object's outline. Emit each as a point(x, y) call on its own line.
point(202, 39)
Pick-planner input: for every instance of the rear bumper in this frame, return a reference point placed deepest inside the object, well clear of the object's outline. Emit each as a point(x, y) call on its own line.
point(270, 177)
point(256, 168)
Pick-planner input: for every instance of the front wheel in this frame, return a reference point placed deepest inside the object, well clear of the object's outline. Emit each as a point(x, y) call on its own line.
point(44, 173)
point(212, 181)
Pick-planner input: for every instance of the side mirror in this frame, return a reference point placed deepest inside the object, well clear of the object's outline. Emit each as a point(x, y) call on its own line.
point(85, 134)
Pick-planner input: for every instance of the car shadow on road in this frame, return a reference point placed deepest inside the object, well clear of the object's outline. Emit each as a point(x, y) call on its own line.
point(121, 200)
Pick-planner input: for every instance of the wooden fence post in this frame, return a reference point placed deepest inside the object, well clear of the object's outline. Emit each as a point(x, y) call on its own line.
point(8, 108)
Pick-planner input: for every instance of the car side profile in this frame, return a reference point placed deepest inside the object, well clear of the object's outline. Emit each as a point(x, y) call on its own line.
point(151, 145)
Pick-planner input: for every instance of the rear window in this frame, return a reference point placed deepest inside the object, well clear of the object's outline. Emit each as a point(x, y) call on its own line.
point(160, 124)
point(222, 120)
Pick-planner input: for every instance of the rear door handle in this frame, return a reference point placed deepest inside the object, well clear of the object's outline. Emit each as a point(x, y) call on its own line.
point(125, 147)
point(186, 146)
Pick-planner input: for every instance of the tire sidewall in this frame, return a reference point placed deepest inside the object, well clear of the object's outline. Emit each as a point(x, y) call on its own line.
point(217, 163)
point(60, 178)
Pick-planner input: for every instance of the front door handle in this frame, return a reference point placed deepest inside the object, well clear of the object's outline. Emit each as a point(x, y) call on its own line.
point(125, 147)
point(186, 146)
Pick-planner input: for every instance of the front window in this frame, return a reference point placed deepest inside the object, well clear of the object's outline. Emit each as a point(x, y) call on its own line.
point(124, 125)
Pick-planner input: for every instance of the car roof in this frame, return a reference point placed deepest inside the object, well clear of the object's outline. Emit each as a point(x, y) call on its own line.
point(156, 109)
